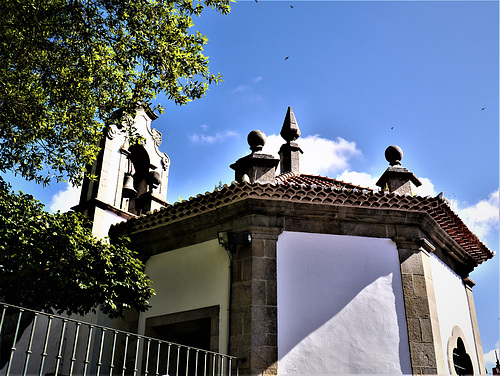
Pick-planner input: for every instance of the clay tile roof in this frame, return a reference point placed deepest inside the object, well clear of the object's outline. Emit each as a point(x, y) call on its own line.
point(314, 180)
point(317, 189)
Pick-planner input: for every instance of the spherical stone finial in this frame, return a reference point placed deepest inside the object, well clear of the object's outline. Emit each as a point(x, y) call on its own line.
point(394, 154)
point(256, 139)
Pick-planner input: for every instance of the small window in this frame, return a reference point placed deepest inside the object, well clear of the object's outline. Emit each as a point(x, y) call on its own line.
point(460, 361)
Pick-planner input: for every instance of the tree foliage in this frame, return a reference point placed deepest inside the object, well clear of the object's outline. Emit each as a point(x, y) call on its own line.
point(67, 67)
point(53, 262)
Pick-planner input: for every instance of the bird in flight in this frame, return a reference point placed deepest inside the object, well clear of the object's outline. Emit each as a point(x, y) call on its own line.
point(392, 127)
point(482, 109)
point(286, 58)
point(291, 6)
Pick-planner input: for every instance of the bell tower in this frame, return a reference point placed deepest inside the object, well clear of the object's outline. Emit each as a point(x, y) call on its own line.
point(131, 177)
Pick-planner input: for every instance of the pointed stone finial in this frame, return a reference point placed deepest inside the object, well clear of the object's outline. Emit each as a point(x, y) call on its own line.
point(290, 130)
point(291, 151)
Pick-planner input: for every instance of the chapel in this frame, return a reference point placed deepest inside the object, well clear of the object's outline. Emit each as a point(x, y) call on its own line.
point(295, 273)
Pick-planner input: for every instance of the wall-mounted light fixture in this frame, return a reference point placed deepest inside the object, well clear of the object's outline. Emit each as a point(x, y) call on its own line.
point(229, 238)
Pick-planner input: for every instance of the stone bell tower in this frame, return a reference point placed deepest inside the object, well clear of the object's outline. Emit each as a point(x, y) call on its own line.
point(131, 178)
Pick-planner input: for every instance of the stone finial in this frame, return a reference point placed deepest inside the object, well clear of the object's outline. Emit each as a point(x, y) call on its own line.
point(397, 179)
point(290, 130)
point(394, 154)
point(256, 139)
point(290, 152)
point(256, 167)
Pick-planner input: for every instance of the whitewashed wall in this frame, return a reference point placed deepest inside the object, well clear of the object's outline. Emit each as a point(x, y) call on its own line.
point(340, 306)
point(452, 307)
point(190, 278)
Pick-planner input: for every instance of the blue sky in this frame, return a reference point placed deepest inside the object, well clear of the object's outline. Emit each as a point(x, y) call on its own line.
point(360, 76)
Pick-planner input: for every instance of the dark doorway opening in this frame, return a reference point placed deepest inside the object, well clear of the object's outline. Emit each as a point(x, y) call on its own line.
point(194, 330)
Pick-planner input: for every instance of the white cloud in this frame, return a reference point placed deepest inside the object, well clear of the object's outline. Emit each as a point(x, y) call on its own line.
point(483, 217)
point(490, 358)
point(321, 155)
point(208, 139)
point(64, 200)
point(358, 178)
point(427, 188)
point(257, 79)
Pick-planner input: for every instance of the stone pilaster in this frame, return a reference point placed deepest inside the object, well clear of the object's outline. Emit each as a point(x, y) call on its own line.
point(426, 351)
point(254, 323)
point(469, 284)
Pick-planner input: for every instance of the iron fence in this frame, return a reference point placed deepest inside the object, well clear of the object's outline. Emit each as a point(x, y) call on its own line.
point(37, 343)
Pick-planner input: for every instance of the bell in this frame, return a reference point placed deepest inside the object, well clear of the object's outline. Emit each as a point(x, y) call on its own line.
point(128, 190)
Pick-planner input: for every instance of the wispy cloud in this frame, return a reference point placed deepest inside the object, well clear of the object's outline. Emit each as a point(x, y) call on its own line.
point(65, 199)
point(198, 138)
point(241, 89)
point(247, 93)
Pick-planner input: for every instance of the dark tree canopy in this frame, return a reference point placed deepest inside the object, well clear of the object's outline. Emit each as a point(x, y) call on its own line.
point(53, 262)
point(67, 66)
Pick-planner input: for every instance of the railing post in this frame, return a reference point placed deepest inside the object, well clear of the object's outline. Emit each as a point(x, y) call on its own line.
point(101, 345)
point(30, 343)
point(13, 349)
point(45, 344)
point(59, 354)
point(87, 350)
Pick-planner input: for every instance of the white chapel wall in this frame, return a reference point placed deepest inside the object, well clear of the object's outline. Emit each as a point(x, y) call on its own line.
point(190, 278)
point(452, 307)
point(340, 306)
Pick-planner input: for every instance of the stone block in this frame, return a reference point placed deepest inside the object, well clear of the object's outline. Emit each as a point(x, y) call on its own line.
point(237, 271)
point(417, 307)
point(270, 248)
point(246, 269)
point(419, 286)
point(264, 320)
point(258, 247)
point(242, 294)
point(272, 293)
point(412, 264)
point(259, 293)
point(407, 282)
point(263, 268)
point(423, 355)
point(263, 357)
point(414, 331)
point(426, 328)
point(271, 370)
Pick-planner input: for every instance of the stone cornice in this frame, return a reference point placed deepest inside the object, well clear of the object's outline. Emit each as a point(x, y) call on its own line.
point(334, 210)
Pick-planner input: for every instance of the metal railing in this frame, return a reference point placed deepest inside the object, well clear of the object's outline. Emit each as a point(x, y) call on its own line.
point(37, 343)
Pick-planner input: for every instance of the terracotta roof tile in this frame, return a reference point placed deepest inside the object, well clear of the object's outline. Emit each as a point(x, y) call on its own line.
point(332, 193)
point(291, 178)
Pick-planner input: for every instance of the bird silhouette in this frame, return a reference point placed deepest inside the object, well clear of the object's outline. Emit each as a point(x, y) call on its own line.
point(286, 58)
point(392, 127)
point(291, 6)
point(482, 109)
